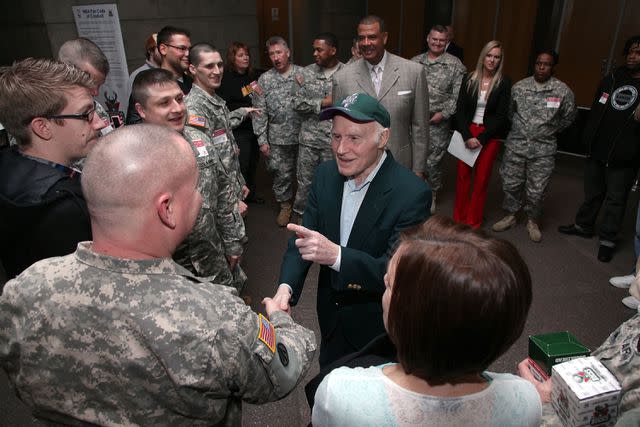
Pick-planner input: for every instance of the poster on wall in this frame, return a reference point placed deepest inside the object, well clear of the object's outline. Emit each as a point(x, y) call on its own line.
point(100, 24)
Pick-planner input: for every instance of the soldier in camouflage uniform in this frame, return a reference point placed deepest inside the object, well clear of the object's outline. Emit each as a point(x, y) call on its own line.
point(209, 113)
point(315, 135)
point(278, 127)
point(541, 106)
point(444, 76)
point(214, 247)
point(86, 55)
point(117, 333)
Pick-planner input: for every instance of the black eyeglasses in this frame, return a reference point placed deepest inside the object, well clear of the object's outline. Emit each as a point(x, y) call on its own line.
point(88, 116)
point(180, 48)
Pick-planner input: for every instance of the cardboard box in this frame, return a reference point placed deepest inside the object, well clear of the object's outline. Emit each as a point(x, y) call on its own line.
point(585, 393)
point(547, 350)
point(538, 373)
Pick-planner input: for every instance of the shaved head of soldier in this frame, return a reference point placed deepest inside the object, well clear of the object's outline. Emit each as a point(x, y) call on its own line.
point(140, 185)
point(86, 55)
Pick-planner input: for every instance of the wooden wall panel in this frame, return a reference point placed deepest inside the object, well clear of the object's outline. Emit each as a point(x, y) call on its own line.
point(516, 22)
point(586, 39)
point(268, 26)
point(473, 22)
point(414, 32)
point(391, 13)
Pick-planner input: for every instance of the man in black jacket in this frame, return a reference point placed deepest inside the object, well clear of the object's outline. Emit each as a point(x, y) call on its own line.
point(612, 135)
point(47, 105)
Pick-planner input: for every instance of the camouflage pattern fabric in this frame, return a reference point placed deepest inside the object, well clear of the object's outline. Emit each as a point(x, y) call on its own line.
point(88, 339)
point(308, 159)
point(315, 134)
point(282, 162)
point(444, 76)
point(219, 229)
point(538, 112)
point(279, 126)
point(530, 176)
point(210, 113)
point(439, 137)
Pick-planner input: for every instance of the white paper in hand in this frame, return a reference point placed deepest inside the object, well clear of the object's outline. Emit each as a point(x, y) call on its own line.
point(458, 149)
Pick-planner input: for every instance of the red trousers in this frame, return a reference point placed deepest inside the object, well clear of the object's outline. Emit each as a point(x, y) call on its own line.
point(468, 207)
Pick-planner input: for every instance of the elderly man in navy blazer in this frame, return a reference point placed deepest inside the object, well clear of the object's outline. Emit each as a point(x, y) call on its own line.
point(357, 206)
point(401, 87)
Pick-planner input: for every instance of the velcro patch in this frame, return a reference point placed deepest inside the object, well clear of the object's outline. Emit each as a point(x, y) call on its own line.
point(256, 88)
point(267, 333)
point(200, 147)
point(195, 120)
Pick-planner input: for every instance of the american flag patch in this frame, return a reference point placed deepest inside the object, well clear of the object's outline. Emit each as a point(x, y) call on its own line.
point(267, 333)
point(256, 87)
point(195, 120)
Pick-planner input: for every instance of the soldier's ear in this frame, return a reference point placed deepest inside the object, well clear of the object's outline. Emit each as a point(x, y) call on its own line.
point(165, 210)
point(162, 48)
point(140, 110)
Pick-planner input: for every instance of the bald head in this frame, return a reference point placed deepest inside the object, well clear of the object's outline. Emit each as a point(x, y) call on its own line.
point(127, 175)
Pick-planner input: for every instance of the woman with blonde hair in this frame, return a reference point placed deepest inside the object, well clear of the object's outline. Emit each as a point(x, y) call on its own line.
point(481, 118)
point(455, 301)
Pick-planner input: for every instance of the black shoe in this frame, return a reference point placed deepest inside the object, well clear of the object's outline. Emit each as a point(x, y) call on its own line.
point(571, 229)
point(605, 253)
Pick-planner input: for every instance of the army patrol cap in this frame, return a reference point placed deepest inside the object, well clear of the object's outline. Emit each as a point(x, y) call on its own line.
point(361, 108)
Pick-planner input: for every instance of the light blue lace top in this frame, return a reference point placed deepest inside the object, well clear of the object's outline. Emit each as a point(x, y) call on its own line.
point(366, 397)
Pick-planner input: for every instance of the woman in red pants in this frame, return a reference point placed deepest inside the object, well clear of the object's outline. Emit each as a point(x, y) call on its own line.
point(481, 118)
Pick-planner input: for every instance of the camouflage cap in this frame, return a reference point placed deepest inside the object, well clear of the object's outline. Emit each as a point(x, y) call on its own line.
point(361, 108)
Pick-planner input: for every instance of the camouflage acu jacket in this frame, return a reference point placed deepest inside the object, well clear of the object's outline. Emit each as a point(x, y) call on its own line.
point(444, 76)
point(538, 113)
point(278, 124)
point(307, 102)
point(89, 339)
point(211, 115)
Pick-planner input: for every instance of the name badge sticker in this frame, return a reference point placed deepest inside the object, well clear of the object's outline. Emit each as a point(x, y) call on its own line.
point(219, 136)
point(603, 98)
point(202, 150)
point(553, 102)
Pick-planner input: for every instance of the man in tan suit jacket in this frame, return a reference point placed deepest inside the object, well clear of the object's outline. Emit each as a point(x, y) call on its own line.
point(400, 86)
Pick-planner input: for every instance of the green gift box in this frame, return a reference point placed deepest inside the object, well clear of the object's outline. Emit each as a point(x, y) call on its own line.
point(550, 349)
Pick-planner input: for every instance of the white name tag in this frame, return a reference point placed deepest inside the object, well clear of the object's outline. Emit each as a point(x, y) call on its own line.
point(202, 150)
point(603, 98)
point(219, 136)
point(553, 102)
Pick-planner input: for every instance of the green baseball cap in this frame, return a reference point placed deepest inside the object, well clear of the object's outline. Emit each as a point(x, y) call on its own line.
point(361, 108)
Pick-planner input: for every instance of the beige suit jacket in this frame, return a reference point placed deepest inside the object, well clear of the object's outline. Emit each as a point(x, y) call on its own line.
point(404, 93)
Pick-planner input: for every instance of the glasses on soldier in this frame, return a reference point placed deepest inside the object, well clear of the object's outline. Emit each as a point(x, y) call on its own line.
point(180, 48)
point(88, 116)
